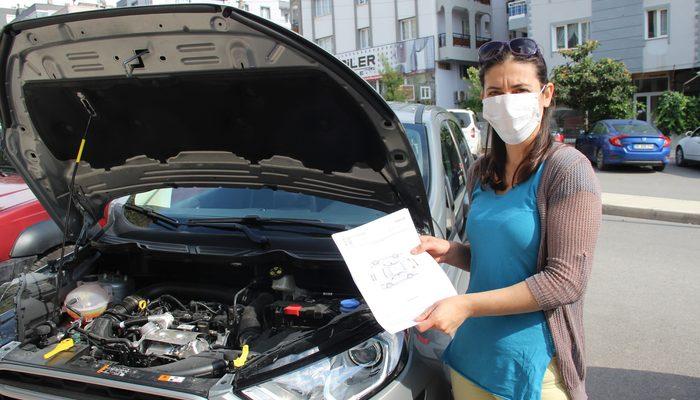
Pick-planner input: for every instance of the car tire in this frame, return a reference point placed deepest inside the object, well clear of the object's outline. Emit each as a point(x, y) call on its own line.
point(659, 168)
point(680, 157)
point(600, 160)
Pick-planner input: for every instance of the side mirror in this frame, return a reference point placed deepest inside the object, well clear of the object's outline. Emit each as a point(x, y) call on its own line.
point(689, 133)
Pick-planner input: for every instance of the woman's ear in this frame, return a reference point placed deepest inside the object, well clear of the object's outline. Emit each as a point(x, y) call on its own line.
point(548, 94)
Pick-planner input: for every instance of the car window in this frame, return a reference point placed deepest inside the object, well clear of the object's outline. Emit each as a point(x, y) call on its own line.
point(635, 128)
point(465, 119)
point(418, 138)
point(451, 160)
point(199, 202)
point(697, 132)
point(598, 129)
point(462, 146)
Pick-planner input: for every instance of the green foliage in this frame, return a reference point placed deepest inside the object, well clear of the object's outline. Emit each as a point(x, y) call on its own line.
point(600, 88)
point(473, 101)
point(392, 80)
point(677, 113)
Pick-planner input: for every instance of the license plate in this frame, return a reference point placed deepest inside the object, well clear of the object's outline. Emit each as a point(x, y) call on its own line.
point(644, 147)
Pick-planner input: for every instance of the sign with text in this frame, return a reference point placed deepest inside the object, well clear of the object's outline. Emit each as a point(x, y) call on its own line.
point(410, 56)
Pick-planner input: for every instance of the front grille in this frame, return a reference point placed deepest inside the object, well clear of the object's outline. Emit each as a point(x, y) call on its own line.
point(69, 388)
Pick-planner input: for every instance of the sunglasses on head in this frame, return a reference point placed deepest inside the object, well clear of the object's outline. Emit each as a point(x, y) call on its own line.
point(521, 47)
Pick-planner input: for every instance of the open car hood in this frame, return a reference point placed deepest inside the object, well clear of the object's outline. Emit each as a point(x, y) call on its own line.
point(193, 95)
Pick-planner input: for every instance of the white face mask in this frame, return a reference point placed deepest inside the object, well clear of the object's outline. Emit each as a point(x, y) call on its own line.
point(513, 116)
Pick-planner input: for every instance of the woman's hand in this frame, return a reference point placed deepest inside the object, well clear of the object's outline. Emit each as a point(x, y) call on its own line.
point(444, 251)
point(446, 315)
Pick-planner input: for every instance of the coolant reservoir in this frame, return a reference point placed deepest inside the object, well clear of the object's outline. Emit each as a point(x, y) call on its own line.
point(90, 300)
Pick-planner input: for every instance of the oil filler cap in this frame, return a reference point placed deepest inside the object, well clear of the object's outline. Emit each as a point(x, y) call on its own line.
point(293, 309)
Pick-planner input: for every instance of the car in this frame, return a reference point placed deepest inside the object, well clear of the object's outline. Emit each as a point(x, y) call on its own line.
point(625, 141)
point(468, 122)
point(215, 275)
point(443, 158)
point(557, 135)
point(27, 233)
point(688, 148)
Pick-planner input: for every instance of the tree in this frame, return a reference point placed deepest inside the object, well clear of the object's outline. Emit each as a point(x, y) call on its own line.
point(392, 80)
point(473, 100)
point(599, 88)
point(677, 113)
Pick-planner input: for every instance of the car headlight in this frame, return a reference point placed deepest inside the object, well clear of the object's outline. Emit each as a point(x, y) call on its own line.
point(351, 374)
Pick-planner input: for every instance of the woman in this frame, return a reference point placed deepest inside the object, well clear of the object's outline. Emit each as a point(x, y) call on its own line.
point(532, 227)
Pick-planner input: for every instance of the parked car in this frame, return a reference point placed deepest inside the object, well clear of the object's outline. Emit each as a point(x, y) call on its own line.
point(26, 230)
point(688, 148)
point(224, 280)
point(625, 141)
point(468, 122)
point(558, 135)
point(444, 157)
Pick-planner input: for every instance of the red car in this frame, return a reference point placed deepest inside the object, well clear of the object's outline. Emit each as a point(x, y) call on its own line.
point(26, 230)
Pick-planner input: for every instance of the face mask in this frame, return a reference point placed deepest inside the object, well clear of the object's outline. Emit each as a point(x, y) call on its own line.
point(513, 116)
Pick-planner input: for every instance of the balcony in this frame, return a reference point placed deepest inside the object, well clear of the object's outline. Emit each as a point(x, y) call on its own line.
point(517, 16)
point(458, 40)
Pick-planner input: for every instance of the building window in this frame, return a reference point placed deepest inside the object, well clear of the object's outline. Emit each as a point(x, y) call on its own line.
point(326, 43)
point(407, 29)
point(570, 35)
point(363, 38)
point(425, 93)
point(657, 23)
point(322, 7)
point(265, 12)
point(362, 2)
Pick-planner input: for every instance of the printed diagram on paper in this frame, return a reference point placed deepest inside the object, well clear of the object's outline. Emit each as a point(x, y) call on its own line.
point(397, 285)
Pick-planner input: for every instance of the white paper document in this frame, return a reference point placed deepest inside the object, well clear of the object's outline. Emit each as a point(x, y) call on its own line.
point(397, 285)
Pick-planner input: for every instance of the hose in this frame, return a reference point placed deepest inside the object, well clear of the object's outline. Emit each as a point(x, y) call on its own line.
point(173, 300)
point(195, 366)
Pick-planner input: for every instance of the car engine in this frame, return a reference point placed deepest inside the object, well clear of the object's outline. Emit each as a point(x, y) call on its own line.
point(162, 331)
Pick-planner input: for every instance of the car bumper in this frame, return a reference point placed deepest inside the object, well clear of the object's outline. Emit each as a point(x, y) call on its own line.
point(417, 381)
point(616, 155)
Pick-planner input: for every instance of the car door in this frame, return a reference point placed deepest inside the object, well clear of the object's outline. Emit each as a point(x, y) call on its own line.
point(693, 147)
point(455, 179)
point(586, 140)
point(467, 158)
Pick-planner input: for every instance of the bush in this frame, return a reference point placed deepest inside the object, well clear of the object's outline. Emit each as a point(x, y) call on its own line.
point(473, 101)
point(677, 113)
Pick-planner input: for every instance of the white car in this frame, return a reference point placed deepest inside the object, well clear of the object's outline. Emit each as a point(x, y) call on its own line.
point(467, 121)
point(688, 148)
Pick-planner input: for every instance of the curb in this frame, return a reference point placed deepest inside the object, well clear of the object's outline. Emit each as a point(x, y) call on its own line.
point(649, 213)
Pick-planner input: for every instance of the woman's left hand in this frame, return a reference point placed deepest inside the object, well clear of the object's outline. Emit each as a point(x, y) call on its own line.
point(446, 315)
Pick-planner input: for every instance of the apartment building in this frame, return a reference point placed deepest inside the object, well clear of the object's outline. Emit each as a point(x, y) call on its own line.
point(431, 42)
point(276, 11)
point(658, 40)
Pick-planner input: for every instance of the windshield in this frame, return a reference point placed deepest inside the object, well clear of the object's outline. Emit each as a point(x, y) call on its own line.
point(636, 129)
point(465, 119)
point(196, 203)
point(418, 137)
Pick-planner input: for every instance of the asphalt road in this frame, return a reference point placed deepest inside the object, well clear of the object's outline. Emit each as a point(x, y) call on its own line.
point(642, 311)
point(674, 182)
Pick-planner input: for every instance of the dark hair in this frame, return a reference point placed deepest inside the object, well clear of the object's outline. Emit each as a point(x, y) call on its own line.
point(493, 167)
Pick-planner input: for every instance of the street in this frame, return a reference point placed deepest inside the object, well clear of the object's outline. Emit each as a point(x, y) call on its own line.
point(642, 308)
point(674, 182)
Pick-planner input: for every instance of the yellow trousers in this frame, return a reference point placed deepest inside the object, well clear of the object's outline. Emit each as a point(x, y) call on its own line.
point(552, 386)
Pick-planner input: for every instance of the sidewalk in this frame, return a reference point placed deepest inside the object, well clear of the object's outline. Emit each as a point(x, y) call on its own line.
point(656, 208)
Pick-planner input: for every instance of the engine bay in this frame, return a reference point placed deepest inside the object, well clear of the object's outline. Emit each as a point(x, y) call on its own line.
point(202, 328)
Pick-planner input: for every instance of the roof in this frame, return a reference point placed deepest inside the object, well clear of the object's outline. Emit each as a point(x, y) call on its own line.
point(414, 113)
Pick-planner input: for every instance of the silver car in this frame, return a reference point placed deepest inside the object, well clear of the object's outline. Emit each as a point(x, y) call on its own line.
point(199, 158)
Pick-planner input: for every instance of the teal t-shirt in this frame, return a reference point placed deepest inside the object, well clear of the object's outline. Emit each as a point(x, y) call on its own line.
point(506, 355)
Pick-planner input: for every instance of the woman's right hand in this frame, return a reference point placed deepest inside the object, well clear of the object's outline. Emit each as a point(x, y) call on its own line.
point(438, 248)
point(444, 251)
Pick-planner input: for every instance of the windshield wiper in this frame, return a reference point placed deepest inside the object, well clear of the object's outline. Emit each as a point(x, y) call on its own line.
point(231, 225)
point(154, 215)
point(259, 221)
